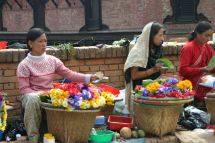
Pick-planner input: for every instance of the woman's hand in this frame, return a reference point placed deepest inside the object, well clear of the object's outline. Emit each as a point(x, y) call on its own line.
point(157, 67)
point(206, 69)
point(97, 76)
point(94, 77)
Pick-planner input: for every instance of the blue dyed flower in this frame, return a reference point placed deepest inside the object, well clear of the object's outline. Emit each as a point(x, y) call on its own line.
point(145, 92)
point(172, 81)
point(162, 90)
point(86, 94)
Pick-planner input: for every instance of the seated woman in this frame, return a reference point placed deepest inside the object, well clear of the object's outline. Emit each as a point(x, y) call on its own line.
point(141, 61)
point(195, 56)
point(35, 74)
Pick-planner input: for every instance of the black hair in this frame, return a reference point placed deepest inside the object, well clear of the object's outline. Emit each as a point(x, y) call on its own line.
point(154, 50)
point(32, 35)
point(200, 28)
point(154, 30)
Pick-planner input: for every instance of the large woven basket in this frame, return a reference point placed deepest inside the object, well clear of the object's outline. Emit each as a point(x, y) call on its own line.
point(210, 102)
point(70, 126)
point(106, 110)
point(158, 117)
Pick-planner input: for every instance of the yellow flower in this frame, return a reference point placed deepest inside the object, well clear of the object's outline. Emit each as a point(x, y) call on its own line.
point(83, 106)
point(152, 87)
point(65, 94)
point(95, 105)
point(184, 85)
point(55, 103)
point(65, 103)
point(102, 101)
point(3, 123)
point(69, 108)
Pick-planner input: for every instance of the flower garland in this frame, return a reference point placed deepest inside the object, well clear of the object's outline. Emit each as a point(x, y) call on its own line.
point(3, 122)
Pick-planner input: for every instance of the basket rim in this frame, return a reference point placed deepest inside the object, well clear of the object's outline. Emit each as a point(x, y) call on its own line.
point(156, 105)
point(162, 102)
point(209, 98)
point(49, 106)
point(161, 99)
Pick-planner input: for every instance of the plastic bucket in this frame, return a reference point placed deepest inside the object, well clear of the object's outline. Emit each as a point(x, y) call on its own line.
point(102, 136)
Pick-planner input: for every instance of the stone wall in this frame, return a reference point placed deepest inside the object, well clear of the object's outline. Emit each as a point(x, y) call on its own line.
point(110, 60)
point(120, 14)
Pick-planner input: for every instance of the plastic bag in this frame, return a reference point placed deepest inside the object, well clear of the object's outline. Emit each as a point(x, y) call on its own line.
point(119, 106)
point(192, 118)
point(208, 81)
point(13, 128)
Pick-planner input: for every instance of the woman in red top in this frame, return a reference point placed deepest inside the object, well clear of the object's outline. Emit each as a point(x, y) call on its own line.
point(195, 56)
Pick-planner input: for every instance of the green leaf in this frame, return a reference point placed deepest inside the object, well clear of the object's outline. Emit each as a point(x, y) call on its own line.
point(146, 82)
point(166, 63)
point(66, 47)
point(211, 63)
point(44, 98)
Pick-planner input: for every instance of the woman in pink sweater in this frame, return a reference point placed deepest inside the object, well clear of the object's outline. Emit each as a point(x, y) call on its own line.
point(35, 74)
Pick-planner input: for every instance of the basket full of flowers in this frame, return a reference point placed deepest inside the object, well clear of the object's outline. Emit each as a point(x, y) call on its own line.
point(157, 104)
point(71, 109)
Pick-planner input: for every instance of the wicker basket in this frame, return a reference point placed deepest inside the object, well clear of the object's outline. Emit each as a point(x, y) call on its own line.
point(106, 110)
point(210, 108)
point(158, 119)
point(69, 127)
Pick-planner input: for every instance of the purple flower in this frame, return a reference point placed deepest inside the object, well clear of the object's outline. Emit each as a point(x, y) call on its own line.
point(99, 91)
point(145, 92)
point(172, 81)
point(86, 94)
point(83, 87)
point(187, 90)
point(77, 98)
point(71, 102)
point(162, 90)
point(177, 89)
point(78, 103)
point(1, 101)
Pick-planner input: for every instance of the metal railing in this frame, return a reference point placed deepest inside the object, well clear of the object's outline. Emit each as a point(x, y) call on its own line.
point(105, 37)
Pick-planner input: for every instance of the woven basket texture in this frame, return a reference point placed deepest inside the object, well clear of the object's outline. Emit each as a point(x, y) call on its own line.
point(70, 127)
point(156, 120)
point(210, 102)
point(106, 110)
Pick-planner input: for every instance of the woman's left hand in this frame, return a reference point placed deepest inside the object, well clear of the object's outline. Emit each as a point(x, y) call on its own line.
point(163, 70)
point(94, 77)
point(158, 67)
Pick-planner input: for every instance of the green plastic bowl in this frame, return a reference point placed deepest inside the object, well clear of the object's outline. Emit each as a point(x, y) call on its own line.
point(102, 136)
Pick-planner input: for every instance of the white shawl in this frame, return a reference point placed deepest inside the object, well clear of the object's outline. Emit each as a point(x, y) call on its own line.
point(138, 57)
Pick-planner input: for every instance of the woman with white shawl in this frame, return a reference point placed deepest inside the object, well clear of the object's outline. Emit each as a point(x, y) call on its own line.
point(141, 60)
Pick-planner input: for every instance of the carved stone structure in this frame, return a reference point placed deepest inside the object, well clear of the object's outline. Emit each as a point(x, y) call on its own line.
point(38, 7)
point(2, 28)
point(93, 16)
point(184, 11)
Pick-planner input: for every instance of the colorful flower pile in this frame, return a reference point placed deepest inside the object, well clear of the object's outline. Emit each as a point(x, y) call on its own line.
point(77, 96)
point(3, 112)
point(161, 88)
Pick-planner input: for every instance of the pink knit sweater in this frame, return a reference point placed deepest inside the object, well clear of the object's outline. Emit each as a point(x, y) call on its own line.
point(36, 73)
